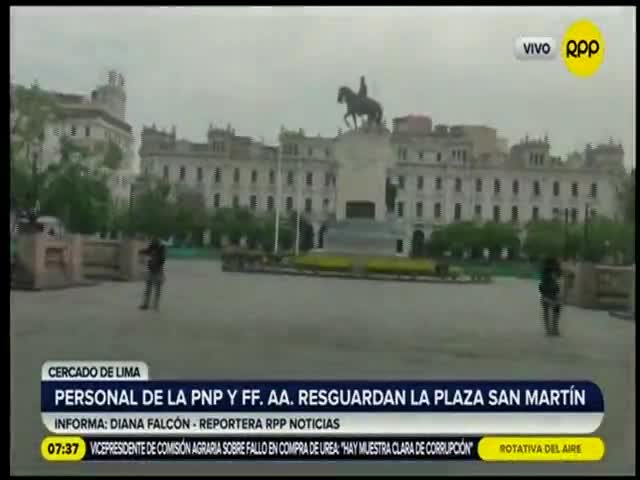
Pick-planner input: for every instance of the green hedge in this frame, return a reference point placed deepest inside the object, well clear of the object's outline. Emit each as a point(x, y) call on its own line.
point(323, 262)
point(401, 266)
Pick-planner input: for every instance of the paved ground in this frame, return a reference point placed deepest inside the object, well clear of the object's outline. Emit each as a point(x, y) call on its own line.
point(215, 324)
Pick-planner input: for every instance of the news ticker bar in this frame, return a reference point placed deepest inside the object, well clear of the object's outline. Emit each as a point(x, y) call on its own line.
point(488, 449)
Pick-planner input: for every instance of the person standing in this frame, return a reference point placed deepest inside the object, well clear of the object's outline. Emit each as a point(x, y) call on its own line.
point(549, 289)
point(155, 273)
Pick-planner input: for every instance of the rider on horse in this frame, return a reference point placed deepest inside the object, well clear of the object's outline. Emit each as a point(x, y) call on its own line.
point(362, 93)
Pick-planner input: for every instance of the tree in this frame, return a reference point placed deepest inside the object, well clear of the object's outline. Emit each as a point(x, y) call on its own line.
point(190, 214)
point(78, 196)
point(113, 156)
point(34, 108)
point(152, 212)
point(626, 196)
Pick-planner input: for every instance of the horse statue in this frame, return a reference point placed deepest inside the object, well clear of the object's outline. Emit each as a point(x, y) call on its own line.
point(359, 106)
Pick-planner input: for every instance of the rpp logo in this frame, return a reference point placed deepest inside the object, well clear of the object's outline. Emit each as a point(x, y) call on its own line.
point(583, 48)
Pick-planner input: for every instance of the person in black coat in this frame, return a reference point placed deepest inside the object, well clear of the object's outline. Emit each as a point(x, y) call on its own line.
point(155, 273)
point(549, 289)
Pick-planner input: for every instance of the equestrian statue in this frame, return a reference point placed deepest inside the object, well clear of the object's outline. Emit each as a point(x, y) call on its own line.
point(360, 104)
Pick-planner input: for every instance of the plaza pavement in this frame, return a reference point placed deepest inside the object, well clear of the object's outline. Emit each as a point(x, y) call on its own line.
point(231, 325)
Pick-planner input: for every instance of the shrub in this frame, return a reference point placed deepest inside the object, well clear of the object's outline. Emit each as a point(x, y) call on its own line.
point(406, 266)
point(323, 263)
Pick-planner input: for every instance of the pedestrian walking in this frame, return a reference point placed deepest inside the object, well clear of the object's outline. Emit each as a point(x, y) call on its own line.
point(155, 274)
point(549, 289)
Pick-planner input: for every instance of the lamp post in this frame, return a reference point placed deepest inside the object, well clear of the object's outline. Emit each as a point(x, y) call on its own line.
point(298, 208)
point(566, 234)
point(278, 197)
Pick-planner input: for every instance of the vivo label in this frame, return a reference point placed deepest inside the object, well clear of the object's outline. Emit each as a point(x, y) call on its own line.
point(535, 48)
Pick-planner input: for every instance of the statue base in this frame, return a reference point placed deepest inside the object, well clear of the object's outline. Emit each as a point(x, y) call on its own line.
point(365, 237)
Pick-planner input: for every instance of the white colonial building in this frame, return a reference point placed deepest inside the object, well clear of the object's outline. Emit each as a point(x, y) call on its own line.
point(444, 174)
point(92, 121)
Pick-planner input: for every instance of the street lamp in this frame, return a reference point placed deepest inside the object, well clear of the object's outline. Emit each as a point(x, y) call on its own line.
point(566, 233)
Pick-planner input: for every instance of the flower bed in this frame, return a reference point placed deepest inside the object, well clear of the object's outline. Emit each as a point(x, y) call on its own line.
point(401, 266)
point(324, 263)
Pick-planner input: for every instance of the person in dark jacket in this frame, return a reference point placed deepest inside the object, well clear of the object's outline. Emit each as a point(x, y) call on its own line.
point(155, 273)
point(549, 289)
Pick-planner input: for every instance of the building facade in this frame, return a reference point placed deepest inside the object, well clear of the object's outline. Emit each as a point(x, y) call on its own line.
point(444, 174)
point(91, 121)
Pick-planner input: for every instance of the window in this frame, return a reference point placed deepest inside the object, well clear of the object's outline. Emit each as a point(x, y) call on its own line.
point(327, 179)
point(574, 189)
point(216, 175)
point(438, 156)
point(536, 188)
point(514, 214)
point(419, 209)
point(309, 152)
point(236, 201)
point(458, 185)
point(183, 173)
point(327, 152)
point(478, 185)
point(496, 186)
point(402, 153)
point(593, 213)
point(477, 211)
point(73, 130)
point(272, 177)
point(496, 213)
point(400, 209)
point(87, 131)
point(594, 190)
point(437, 210)
point(555, 213)
point(216, 200)
point(270, 202)
point(325, 204)
point(253, 202)
point(399, 246)
point(290, 177)
point(165, 172)
point(199, 174)
point(308, 205)
point(309, 179)
point(516, 187)
point(556, 188)
point(574, 215)
point(236, 175)
point(421, 155)
point(438, 183)
point(464, 155)
point(289, 203)
point(457, 212)
point(254, 176)
point(401, 182)
point(535, 214)
point(420, 184)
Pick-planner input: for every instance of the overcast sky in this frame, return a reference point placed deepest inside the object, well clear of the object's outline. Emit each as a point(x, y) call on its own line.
point(260, 68)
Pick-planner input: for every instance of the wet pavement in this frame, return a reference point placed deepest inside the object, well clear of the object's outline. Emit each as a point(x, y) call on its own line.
point(232, 325)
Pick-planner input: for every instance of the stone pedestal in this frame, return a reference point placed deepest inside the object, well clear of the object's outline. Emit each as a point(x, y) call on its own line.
point(364, 237)
point(363, 161)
